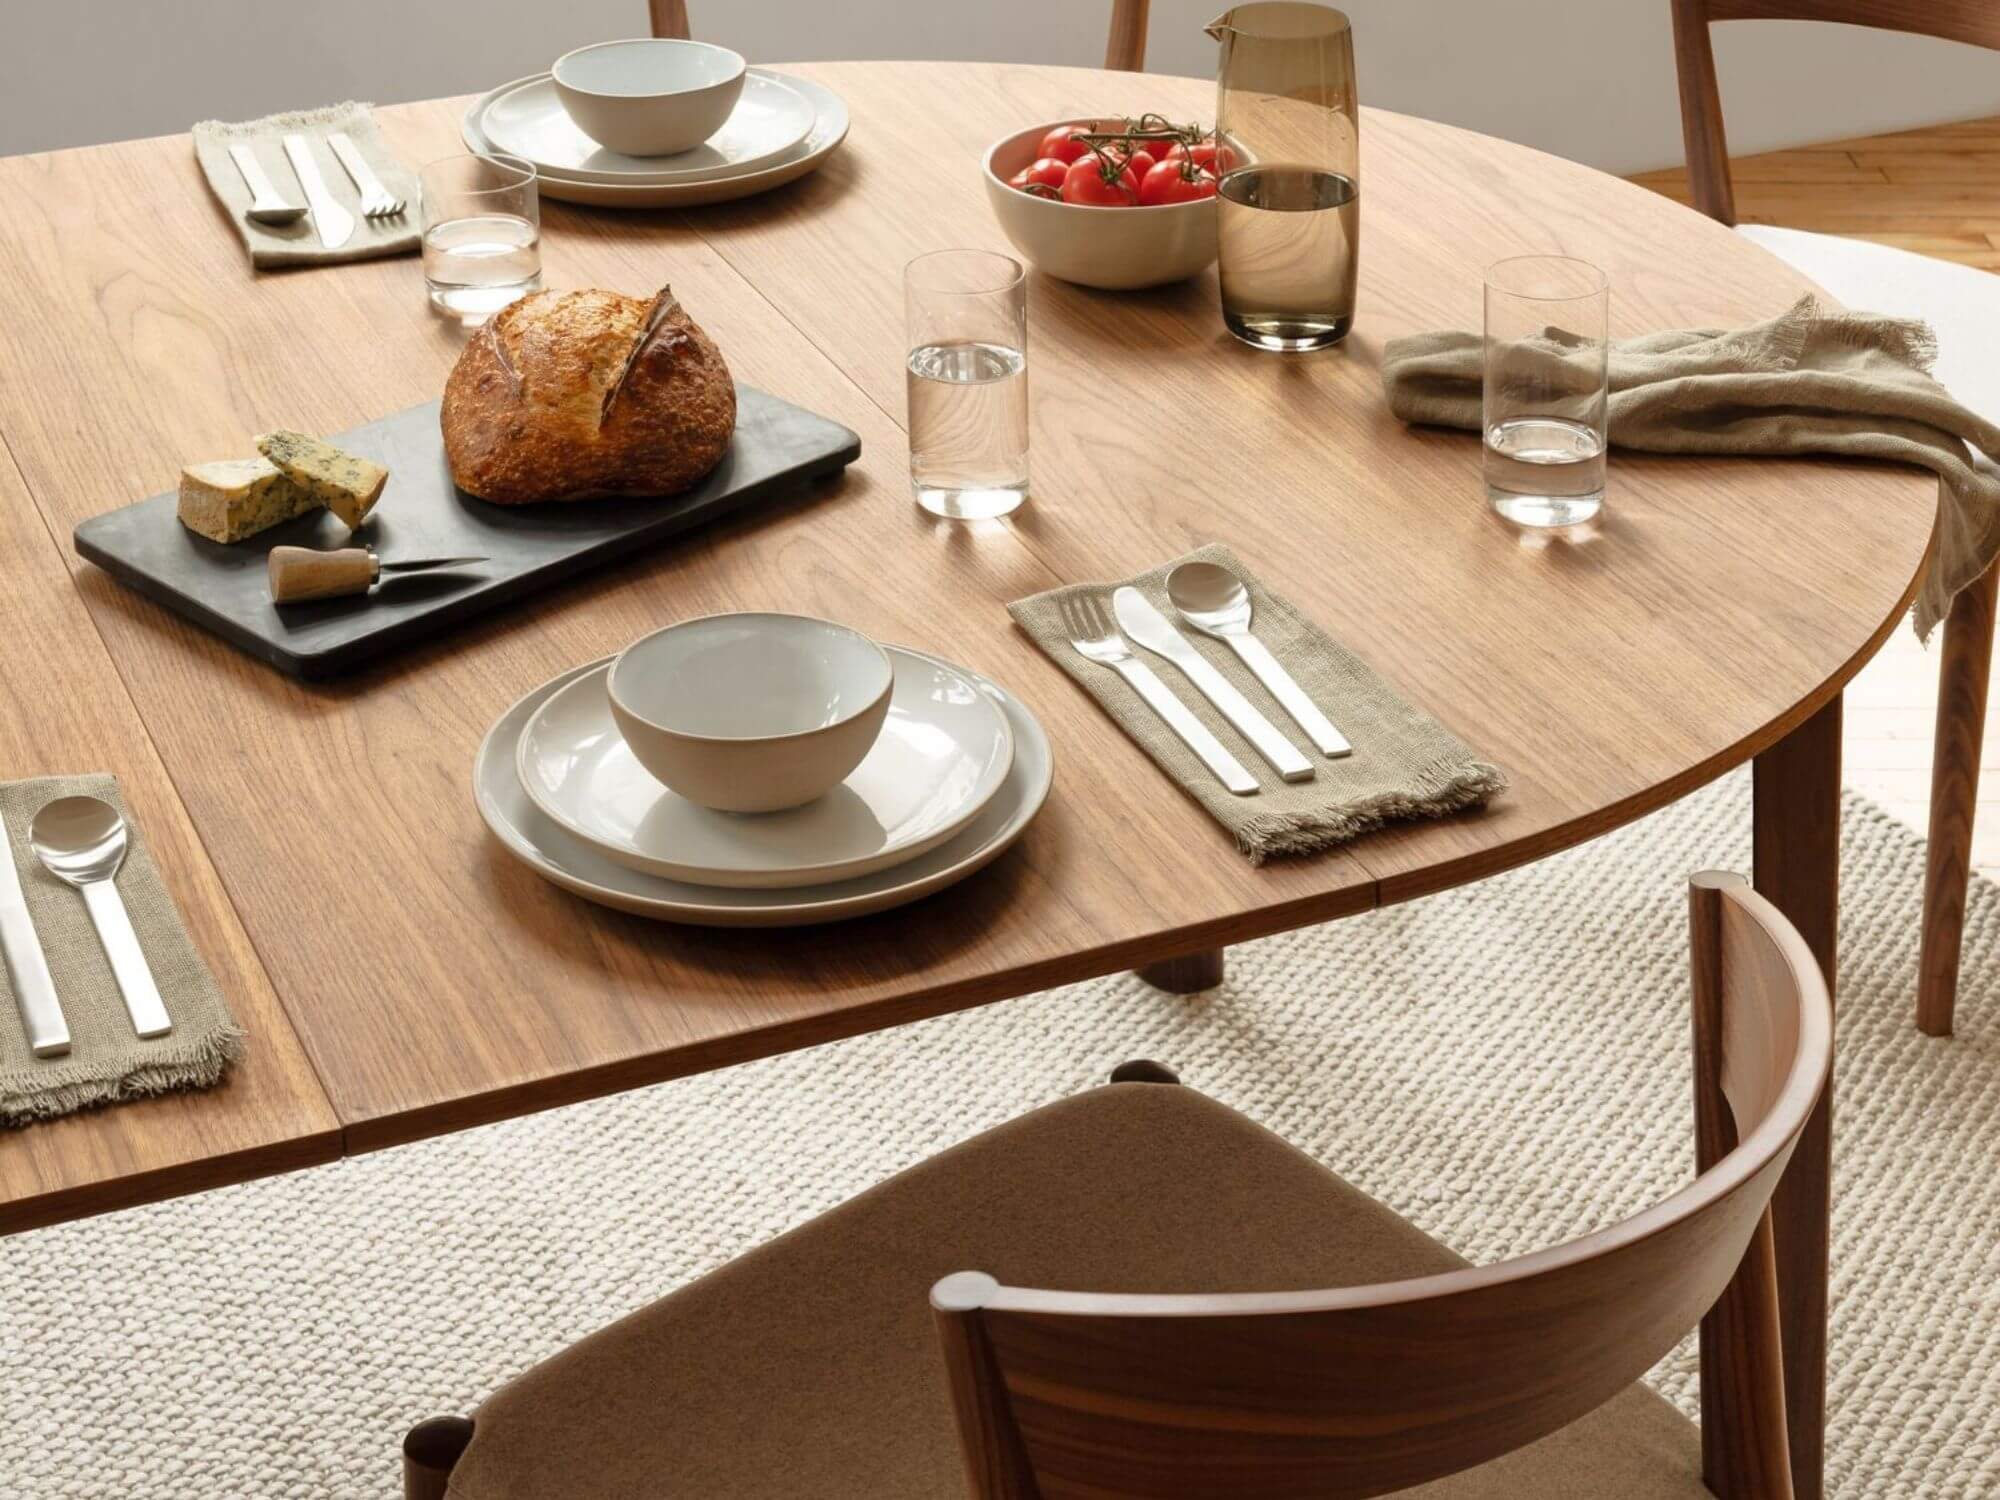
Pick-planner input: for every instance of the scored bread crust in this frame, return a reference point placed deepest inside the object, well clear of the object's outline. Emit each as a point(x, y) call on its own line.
point(564, 396)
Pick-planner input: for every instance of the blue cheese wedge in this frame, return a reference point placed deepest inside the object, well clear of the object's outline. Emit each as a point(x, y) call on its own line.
point(232, 498)
point(346, 485)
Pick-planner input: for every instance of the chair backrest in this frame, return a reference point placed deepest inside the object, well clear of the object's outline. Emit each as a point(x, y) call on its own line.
point(1359, 1391)
point(1974, 21)
point(1124, 48)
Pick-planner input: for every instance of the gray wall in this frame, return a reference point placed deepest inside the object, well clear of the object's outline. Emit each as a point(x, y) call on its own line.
point(1589, 79)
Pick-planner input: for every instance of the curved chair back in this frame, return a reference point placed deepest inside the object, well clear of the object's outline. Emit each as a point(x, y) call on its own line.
point(1973, 21)
point(1124, 48)
point(1359, 1391)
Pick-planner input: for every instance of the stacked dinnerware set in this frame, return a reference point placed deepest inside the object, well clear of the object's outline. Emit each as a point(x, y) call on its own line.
point(762, 770)
point(656, 122)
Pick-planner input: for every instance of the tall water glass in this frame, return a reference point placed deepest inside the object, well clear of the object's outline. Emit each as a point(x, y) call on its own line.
point(1545, 390)
point(482, 221)
point(967, 382)
point(1288, 208)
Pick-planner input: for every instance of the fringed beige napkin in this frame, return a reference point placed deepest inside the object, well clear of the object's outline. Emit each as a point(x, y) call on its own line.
point(298, 244)
point(106, 1062)
point(1405, 764)
point(1851, 384)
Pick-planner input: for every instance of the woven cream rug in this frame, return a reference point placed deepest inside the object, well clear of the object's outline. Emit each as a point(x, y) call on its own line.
point(1506, 1064)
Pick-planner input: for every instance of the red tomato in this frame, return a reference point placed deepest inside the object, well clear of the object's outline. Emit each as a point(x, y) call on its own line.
point(1208, 154)
point(1100, 183)
point(1141, 162)
point(1176, 182)
point(1043, 177)
point(1062, 143)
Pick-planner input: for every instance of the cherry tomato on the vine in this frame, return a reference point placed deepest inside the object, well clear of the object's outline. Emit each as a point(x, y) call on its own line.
point(1176, 182)
point(1043, 177)
point(1062, 143)
point(1100, 182)
point(1208, 154)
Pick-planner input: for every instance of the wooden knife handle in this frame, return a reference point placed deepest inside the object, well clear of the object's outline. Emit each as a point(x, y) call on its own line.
point(303, 573)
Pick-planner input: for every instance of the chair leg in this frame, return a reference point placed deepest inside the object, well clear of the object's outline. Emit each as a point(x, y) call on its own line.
point(1186, 975)
point(1961, 727)
point(430, 1451)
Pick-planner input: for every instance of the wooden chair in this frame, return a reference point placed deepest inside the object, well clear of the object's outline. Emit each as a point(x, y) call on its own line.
point(1225, 1317)
point(1125, 48)
point(1963, 305)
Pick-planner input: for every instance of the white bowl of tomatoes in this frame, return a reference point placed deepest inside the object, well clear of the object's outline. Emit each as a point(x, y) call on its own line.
point(1112, 203)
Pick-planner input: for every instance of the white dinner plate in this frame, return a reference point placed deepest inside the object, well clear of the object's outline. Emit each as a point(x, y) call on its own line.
point(537, 842)
point(527, 119)
point(829, 130)
point(944, 750)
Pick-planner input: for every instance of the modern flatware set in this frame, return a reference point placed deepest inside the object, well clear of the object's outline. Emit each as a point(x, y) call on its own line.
point(1213, 601)
point(330, 220)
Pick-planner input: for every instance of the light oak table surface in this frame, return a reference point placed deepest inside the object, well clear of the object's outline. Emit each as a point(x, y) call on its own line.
point(434, 983)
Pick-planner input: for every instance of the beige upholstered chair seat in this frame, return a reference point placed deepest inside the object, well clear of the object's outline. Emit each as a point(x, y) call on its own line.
point(811, 1367)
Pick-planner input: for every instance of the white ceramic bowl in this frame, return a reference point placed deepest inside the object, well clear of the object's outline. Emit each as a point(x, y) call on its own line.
point(751, 712)
point(1117, 249)
point(651, 96)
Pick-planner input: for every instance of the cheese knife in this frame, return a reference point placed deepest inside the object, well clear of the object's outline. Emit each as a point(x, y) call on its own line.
point(334, 224)
point(1143, 623)
point(27, 966)
point(299, 573)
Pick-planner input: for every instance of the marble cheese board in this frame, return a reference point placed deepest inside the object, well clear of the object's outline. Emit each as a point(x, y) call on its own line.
point(778, 449)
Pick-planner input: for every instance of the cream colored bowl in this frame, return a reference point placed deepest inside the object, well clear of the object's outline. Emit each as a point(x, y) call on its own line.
point(650, 96)
point(751, 712)
point(1117, 249)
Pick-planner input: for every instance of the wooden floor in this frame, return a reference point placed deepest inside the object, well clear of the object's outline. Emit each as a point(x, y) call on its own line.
point(1935, 191)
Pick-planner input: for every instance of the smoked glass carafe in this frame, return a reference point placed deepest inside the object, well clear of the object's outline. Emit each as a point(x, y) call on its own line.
point(1290, 192)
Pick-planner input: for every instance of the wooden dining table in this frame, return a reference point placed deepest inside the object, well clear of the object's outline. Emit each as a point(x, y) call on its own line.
point(399, 975)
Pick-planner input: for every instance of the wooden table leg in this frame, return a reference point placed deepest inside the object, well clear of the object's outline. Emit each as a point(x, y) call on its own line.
point(1797, 867)
point(1186, 975)
point(1961, 725)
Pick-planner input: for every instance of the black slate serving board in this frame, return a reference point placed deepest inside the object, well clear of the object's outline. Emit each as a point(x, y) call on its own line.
point(777, 448)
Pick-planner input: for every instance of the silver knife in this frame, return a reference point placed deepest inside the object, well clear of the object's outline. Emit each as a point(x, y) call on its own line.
point(1143, 623)
point(334, 223)
point(27, 968)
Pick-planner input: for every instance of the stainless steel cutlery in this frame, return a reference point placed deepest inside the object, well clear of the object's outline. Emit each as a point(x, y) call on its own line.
point(377, 202)
point(82, 840)
point(333, 224)
point(1140, 620)
point(267, 204)
point(27, 966)
point(1094, 636)
point(1214, 601)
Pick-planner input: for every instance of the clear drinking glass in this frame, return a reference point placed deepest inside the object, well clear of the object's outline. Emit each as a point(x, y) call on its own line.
point(1546, 385)
point(1289, 204)
point(482, 220)
point(967, 381)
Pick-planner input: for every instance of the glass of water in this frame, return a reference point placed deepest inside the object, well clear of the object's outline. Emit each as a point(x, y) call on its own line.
point(482, 221)
point(1546, 385)
point(967, 382)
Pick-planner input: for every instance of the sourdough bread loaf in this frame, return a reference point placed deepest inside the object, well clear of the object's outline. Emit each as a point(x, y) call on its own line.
point(564, 396)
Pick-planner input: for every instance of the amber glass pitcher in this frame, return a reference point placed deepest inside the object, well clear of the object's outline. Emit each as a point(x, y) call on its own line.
point(1290, 190)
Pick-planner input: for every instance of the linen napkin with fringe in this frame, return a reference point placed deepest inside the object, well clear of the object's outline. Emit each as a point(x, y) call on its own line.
point(1851, 384)
point(106, 1062)
point(1405, 764)
point(298, 244)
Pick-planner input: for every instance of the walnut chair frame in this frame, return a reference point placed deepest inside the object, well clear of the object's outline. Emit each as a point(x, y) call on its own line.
point(1365, 1390)
point(1966, 664)
point(1359, 1391)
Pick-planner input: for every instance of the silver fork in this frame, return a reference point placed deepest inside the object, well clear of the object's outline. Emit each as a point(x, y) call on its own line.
point(377, 202)
point(1088, 625)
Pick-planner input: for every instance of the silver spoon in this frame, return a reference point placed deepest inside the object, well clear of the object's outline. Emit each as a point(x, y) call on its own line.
point(1213, 600)
point(82, 840)
point(267, 204)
